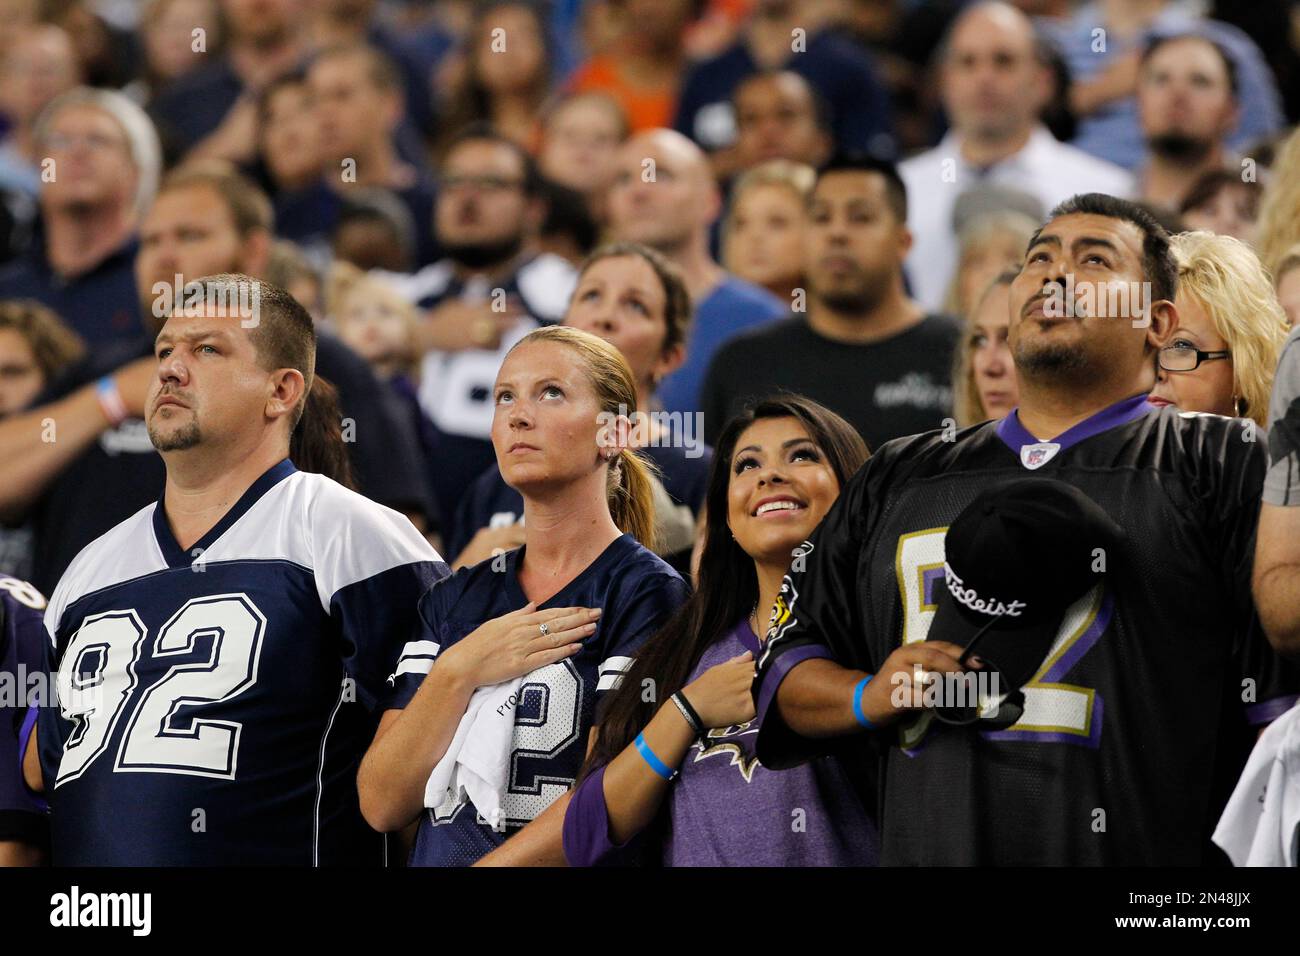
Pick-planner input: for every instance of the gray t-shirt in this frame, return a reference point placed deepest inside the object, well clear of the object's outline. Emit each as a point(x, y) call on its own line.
point(1282, 482)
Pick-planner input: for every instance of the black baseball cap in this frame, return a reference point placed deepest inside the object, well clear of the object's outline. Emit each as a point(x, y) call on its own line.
point(1016, 558)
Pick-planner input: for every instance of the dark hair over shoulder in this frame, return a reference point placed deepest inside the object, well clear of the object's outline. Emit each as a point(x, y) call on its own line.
point(317, 442)
point(726, 586)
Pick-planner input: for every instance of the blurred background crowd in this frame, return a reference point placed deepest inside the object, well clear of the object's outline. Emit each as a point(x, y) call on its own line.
point(815, 195)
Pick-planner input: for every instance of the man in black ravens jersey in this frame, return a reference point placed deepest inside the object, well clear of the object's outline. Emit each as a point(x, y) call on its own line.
point(1138, 721)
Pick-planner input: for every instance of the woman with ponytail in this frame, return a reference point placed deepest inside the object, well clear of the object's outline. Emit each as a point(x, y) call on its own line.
point(521, 647)
point(637, 301)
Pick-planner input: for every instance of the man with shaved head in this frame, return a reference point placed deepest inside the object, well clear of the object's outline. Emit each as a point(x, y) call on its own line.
point(665, 197)
point(994, 86)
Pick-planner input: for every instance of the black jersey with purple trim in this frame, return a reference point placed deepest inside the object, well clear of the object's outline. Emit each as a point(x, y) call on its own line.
point(22, 633)
point(1138, 721)
point(636, 590)
point(213, 703)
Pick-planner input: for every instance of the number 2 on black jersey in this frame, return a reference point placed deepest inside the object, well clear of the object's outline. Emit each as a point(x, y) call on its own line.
point(1055, 712)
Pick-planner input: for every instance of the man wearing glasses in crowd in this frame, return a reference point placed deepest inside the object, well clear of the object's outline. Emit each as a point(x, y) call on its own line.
point(490, 290)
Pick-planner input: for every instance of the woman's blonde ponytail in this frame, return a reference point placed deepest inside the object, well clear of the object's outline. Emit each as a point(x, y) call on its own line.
point(631, 497)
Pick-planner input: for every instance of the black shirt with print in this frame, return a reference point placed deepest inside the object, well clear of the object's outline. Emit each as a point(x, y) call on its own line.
point(887, 389)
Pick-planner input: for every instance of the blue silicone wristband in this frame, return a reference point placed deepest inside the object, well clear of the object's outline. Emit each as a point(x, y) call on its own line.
point(648, 755)
point(857, 702)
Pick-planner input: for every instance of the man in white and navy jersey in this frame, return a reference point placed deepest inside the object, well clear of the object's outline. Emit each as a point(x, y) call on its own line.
point(218, 655)
point(488, 293)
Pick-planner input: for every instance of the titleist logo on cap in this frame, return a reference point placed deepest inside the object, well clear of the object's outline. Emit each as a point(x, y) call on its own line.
point(972, 600)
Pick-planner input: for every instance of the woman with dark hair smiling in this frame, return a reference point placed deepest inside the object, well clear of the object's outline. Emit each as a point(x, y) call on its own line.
point(684, 760)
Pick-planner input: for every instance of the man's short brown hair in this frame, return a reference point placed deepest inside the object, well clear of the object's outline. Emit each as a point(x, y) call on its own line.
point(283, 333)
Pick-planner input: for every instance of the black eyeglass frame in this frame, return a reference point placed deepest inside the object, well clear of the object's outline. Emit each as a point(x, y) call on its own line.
point(1201, 356)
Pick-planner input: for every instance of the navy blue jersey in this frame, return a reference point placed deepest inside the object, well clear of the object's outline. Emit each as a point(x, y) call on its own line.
point(636, 590)
point(491, 503)
point(22, 816)
point(100, 304)
point(214, 703)
point(1138, 721)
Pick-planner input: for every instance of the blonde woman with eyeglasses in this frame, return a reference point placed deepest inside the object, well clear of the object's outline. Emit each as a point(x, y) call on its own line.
point(1229, 333)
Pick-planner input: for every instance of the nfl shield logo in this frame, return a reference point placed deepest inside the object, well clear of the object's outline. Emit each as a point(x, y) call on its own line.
point(1036, 456)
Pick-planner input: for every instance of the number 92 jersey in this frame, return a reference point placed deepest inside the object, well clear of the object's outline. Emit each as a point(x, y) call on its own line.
point(212, 704)
point(636, 590)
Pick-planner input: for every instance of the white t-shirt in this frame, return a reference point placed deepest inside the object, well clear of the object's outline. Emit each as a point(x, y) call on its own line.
point(1046, 169)
point(1260, 825)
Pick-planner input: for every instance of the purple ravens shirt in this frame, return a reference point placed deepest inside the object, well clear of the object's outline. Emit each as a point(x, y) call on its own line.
point(727, 809)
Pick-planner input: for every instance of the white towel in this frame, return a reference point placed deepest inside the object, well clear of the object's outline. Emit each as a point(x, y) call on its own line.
point(477, 762)
point(1260, 825)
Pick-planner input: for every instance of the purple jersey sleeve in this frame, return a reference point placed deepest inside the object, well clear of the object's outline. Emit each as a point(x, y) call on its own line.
point(586, 826)
point(816, 616)
point(22, 640)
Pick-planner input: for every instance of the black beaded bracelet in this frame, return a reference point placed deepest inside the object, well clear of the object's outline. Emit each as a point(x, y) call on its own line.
point(691, 716)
